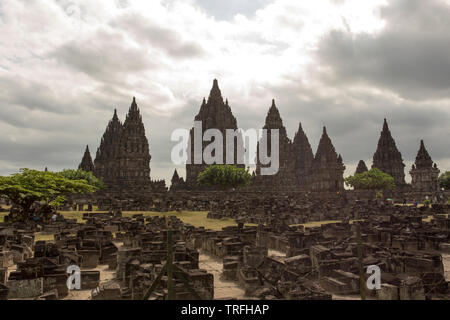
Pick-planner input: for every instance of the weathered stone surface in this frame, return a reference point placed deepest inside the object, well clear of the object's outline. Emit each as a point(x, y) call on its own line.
point(328, 168)
point(213, 114)
point(304, 158)
point(361, 167)
point(286, 175)
point(387, 158)
point(123, 157)
point(86, 163)
point(105, 165)
point(27, 288)
point(388, 292)
point(424, 173)
point(3, 275)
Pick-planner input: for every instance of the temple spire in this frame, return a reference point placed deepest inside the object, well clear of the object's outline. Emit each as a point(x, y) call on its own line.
point(361, 167)
point(385, 126)
point(215, 93)
point(86, 163)
point(273, 119)
point(304, 157)
point(175, 175)
point(325, 150)
point(328, 167)
point(423, 159)
point(388, 158)
point(424, 174)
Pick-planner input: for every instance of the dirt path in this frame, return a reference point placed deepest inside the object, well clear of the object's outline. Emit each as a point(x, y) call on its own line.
point(222, 289)
point(105, 276)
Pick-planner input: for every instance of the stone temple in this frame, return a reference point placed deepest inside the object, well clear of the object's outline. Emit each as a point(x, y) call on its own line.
point(214, 114)
point(286, 173)
point(123, 157)
point(299, 168)
point(86, 163)
point(328, 168)
point(304, 158)
point(361, 167)
point(105, 165)
point(424, 173)
point(387, 158)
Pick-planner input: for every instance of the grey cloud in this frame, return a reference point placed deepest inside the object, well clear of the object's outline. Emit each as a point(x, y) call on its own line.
point(66, 121)
point(104, 56)
point(145, 32)
point(19, 92)
point(410, 56)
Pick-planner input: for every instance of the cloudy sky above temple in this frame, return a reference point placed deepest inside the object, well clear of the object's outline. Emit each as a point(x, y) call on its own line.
point(345, 64)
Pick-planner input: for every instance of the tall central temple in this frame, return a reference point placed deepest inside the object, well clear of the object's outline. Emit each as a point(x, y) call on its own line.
point(214, 114)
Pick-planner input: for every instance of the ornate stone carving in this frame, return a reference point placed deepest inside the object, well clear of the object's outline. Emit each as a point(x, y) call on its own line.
point(328, 168)
point(424, 173)
point(387, 158)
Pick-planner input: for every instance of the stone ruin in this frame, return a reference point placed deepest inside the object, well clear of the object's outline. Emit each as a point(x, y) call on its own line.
point(133, 249)
point(275, 258)
point(322, 262)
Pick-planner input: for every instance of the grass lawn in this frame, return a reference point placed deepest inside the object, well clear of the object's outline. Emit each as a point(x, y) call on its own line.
point(2, 215)
point(196, 218)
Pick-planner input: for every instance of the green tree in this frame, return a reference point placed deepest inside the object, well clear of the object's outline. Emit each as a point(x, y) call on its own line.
point(83, 175)
point(28, 186)
point(224, 176)
point(444, 180)
point(371, 180)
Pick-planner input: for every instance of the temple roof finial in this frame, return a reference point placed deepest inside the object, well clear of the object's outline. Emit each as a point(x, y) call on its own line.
point(215, 91)
point(385, 125)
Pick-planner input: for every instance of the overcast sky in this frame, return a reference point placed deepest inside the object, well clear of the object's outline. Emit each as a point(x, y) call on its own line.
point(346, 64)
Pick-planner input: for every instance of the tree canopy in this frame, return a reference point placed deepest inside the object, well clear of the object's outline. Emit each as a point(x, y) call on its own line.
point(28, 186)
point(444, 180)
point(224, 176)
point(373, 179)
point(83, 175)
